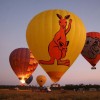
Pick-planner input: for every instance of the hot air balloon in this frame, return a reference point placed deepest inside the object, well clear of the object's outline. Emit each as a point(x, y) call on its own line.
point(29, 80)
point(56, 38)
point(41, 79)
point(22, 63)
point(91, 50)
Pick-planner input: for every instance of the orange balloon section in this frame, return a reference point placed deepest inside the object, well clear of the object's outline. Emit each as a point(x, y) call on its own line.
point(91, 50)
point(41, 79)
point(22, 63)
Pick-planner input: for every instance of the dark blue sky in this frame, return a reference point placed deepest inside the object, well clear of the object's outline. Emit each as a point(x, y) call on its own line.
point(14, 18)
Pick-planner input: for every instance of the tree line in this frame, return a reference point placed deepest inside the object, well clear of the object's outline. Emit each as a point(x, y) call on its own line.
point(66, 87)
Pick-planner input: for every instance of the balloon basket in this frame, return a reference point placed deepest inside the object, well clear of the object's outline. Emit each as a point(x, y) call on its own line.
point(93, 67)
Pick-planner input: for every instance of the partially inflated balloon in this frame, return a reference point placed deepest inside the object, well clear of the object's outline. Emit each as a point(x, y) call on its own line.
point(91, 50)
point(41, 79)
point(23, 63)
point(29, 80)
point(56, 38)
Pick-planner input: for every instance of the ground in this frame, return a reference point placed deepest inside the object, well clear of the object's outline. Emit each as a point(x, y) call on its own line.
point(6, 94)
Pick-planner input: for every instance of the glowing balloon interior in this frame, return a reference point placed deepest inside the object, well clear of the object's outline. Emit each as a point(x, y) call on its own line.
point(22, 63)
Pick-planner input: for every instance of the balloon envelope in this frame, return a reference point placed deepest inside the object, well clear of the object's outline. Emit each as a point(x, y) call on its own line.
point(22, 63)
point(41, 79)
point(29, 80)
point(56, 38)
point(91, 50)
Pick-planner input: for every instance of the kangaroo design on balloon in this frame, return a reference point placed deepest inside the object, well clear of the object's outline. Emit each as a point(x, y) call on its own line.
point(58, 46)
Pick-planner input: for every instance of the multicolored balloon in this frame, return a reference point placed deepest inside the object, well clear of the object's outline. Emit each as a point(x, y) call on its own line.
point(41, 79)
point(22, 63)
point(56, 38)
point(29, 80)
point(91, 50)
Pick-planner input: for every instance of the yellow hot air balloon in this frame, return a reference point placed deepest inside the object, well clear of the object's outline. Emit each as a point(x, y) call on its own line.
point(56, 38)
point(41, 79)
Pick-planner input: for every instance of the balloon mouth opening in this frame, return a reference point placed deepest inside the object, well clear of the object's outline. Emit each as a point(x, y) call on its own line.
point(41, 81)
point(22, 81)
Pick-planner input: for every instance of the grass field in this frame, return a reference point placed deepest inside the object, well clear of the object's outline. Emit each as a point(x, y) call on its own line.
point(6, 94)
